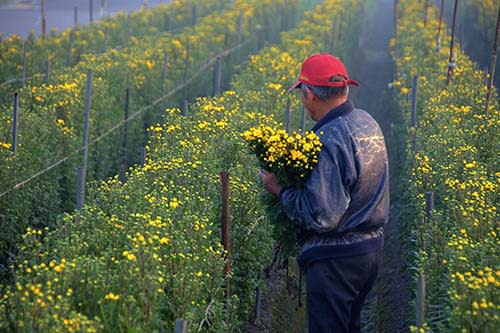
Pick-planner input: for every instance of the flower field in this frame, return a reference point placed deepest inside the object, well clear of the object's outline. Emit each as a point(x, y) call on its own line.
point(51, 117)
point(146, 248)
point(456, 157)
point(62, 49)
point(147, 251)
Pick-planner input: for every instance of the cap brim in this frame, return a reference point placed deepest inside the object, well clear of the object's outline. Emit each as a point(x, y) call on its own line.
point(353, 82)
point(295, 86)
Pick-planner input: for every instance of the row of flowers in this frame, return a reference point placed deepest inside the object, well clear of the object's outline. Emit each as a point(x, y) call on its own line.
point(51, 115)
point(65, 48)
point(147, 251)
point(453, 152)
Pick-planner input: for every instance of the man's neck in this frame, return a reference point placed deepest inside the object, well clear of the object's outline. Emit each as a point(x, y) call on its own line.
point(327, 106)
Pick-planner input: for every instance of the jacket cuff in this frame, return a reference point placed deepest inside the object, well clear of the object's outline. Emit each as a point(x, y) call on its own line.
point(283, 189)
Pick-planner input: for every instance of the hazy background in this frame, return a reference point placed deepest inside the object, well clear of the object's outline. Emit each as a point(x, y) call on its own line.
point(21, 16)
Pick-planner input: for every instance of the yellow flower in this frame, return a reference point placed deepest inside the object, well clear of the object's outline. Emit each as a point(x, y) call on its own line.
point(112, 297)
point(174, 203)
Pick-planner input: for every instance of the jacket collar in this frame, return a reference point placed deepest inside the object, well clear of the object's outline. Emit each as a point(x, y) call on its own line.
point(334, 113)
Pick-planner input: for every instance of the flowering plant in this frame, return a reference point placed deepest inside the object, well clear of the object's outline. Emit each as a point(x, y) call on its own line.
point(291, 157)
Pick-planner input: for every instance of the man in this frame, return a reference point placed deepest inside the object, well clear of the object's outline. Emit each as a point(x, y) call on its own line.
point(344, 203)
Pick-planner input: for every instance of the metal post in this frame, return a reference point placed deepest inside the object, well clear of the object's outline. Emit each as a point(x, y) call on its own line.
point(334, 33)
point(25, 63)
point(240, 35)
point(14, 122)
point(462, 38)
point(125, 132)
point(226, 231)
point(86, 129)
point(168, 23)
point(70, 44)
point(193, 16)
point(492, 68)
point(429, 205)
point(185, 108)
point(164, 71)
point(258, 303)
point(217, 76)
point(413, 115)
point(240, 28)
point(143, 156)
point(47, 71)
point(303, 119)
point(438, 36)
point(413, 118)
point(426, 10)
point(42, 8)
point(451, 63)
point(395, 17)
point(76, 16)
point(102, 8)
point(129, 28)
point(91, 11)
point(181, 326)
point(288, 114)
point(339, 35)
point(420, 300)
point(186, 69)
point(79, 197)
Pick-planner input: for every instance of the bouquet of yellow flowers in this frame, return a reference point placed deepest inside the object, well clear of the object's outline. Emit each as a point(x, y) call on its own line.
point(291, 157)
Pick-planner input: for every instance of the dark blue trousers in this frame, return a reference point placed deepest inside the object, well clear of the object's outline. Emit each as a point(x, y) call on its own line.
point(336, 291)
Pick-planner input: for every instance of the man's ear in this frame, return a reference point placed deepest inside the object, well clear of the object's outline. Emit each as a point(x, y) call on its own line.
point(309, 94)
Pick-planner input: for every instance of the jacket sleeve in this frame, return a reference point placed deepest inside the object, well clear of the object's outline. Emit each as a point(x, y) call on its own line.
point(321, 203)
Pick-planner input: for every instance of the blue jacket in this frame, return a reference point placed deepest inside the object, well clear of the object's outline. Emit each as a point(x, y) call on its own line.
point(345, 201)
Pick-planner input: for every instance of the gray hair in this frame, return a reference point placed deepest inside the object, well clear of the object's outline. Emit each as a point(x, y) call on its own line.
point(324, 93)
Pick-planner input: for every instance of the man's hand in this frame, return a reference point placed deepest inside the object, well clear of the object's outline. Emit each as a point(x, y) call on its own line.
point(270, 182)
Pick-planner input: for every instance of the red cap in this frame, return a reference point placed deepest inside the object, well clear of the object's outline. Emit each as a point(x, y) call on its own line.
point(318, 69)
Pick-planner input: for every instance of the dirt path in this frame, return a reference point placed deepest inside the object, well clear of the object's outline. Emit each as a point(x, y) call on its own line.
point(388, 308)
